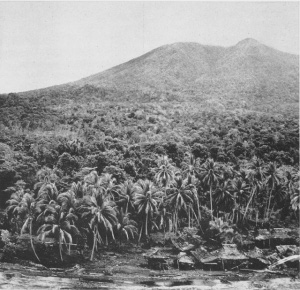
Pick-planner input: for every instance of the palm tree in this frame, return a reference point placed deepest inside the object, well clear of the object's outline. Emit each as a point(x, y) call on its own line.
point(146, 199)
point(223, 197)
point(60, 225)
point(126, 195)
point(165, 173)
point(190, 168)
point(68, 200)
point(210, 178)
point(100, 213)
point(272, 179)
point(125, 226)
point(258, 170)
point(46, 175)
point(108, 186)
point(295, 200)
point(92, 181)
point(180, 197)
point(30, 208)
point(165, 216)
point(240, 190)
point(79, 189)
point(15, 203)
point(256, 186)
point(47, 191)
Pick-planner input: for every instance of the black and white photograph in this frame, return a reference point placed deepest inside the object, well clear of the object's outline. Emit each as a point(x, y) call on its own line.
point(149, 145)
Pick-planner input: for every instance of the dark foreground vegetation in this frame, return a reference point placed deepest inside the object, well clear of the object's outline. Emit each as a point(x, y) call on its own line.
point(78, 177)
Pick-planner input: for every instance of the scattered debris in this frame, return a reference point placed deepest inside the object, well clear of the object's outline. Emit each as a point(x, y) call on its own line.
point(294, 258)
point(288, 250)
point(257, 258)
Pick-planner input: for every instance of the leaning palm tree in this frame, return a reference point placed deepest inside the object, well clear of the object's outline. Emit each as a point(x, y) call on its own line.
point(146, 199)
point(210, 178)
point(29, 208)
point(100, 213)
point(60, 225)
point(125, 226)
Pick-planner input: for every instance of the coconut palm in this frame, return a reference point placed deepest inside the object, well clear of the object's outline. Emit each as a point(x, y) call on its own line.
point(68, 200)
point(210, 178)
point(60, 225)
point(223, 197)
point(108, 186)
point(125, 226)
point(258, 170)
point(79, 189)
point(126, 195)
point(100, 213)
point(165, 216)
point(191, 168)
point(240, 191)
point(295, 199)
point(180, 197)
point(46, 175)
point(29, 208)
point(47, 191)
point(165, 173)
point(272, 179)
point(146, 199)
point(255, 187)
point(15, 202)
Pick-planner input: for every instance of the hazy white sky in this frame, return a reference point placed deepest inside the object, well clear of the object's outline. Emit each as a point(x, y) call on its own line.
point(49, 43)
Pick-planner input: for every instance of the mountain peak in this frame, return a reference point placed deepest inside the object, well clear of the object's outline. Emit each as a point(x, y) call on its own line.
point(249, 42)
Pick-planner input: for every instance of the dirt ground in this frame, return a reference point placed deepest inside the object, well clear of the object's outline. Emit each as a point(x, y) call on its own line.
point(126, 268)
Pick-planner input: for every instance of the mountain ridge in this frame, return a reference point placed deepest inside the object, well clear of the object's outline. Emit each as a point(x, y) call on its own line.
point(248, 72)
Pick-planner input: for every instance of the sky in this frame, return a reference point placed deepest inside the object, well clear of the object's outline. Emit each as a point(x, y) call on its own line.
point(50, 43)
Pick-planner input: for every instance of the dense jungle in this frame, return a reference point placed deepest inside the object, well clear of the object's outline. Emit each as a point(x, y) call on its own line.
point(86, 178)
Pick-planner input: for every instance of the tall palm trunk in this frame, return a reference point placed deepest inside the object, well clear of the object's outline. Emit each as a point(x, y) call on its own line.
point(146, 225)
point(249, 201)
point(94, 244)
point(60, 246)
point(269, 203)
point(140, 234)
point(211, 207)
point(31, 241)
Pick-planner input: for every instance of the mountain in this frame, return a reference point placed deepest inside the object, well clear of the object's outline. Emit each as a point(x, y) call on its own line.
point(247, 74)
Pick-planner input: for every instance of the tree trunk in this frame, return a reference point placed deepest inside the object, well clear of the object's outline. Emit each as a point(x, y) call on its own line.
point(211, 207)
point(269, 203)
point(146, 225)
point(59, 243)
point(93, 249)
point(31, 242)
point(140, 234)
